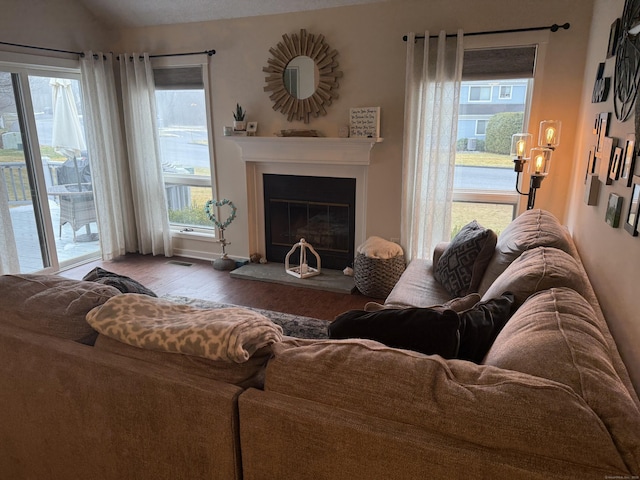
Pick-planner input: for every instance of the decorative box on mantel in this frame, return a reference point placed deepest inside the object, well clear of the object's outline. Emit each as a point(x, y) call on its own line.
point(307, 156)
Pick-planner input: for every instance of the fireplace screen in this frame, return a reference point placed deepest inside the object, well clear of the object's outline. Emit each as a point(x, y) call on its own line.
point(318, 209)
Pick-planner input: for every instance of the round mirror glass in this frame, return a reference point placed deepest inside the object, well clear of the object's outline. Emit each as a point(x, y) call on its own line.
point(301, 77)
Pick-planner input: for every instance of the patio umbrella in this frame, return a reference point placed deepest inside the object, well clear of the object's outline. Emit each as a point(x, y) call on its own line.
point(67, 135)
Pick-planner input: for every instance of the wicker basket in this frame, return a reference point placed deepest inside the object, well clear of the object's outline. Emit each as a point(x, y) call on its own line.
point(376, 277)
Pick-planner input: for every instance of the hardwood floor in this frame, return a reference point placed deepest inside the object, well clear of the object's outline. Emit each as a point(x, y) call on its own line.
point(198, 279)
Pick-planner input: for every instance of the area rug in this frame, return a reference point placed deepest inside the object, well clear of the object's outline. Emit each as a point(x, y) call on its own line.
point(292, 325)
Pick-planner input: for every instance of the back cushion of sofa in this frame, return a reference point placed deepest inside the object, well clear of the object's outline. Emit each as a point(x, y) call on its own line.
point(247, 374)
point(52, 305)
point(536, 270)
point(531, 229)
point(458, 399)
point(556, 335)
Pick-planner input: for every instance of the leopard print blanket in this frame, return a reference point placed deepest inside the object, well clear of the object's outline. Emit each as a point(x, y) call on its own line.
point(227, 334)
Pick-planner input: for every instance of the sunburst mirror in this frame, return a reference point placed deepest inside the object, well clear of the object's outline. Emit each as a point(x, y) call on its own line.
point(302, 76)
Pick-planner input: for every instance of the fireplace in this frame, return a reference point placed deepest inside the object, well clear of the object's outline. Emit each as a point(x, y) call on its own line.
point(336, 158)
point(319, 209)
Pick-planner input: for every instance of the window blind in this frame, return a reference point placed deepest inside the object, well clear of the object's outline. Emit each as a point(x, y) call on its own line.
point(499, 63)
point(178, 78)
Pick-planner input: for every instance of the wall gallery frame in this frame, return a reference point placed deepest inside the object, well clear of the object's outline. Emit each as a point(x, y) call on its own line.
point(614, 210)
point(591, 163)
point(592, 189)
point(629, 161)
point(616, 161)
point(631, 223)
point(601, 129)
point(606, 158)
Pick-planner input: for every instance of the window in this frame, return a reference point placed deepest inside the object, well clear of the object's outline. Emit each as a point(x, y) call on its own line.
point(484, 182)
point(479, 93)
point(505, 92)
point(481, 127)
point(183, 133)
point(44, 165)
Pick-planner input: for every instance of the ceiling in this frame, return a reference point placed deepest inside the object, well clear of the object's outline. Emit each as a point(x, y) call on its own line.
point(140, 13)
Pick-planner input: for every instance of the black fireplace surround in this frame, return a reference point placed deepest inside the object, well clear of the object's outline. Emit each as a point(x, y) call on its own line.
point(319, 209)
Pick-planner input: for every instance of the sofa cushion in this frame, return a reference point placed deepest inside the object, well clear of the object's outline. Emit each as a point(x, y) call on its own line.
point(531, 229)
point(121, 282)
point(497, 409)
point(536, 270)
point(462, 265)
point(227, 334)
point(417, 287)
point(556, 335)
point(52, 305)
point(424, 330)
point(246, 374)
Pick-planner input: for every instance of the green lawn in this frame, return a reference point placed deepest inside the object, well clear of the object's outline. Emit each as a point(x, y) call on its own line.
point(483, 159)
point(496, 217)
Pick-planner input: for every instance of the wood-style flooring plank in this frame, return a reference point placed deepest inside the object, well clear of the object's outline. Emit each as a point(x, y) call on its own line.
point(166, 276)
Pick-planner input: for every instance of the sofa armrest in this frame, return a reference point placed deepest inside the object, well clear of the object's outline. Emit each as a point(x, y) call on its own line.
point(438, 251)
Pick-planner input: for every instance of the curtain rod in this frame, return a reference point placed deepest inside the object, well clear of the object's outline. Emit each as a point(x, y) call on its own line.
point(554, 28)
point(81, 54)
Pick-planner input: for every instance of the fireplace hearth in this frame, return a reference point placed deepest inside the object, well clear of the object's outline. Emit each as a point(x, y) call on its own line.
point(319, 209)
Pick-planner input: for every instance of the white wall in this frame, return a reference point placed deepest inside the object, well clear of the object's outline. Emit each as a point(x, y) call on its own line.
point(611, 256)
point(57, 24)
point(372, 57)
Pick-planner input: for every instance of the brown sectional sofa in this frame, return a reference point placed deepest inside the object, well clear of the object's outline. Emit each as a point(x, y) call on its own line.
point(552, 398)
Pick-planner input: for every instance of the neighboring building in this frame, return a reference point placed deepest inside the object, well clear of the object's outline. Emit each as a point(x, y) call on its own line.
point(480, 100)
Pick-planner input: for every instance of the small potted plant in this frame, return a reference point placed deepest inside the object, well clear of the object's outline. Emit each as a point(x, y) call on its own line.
point(238, 118)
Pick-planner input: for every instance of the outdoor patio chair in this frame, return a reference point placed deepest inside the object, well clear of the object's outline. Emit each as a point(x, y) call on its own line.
point(74, 189)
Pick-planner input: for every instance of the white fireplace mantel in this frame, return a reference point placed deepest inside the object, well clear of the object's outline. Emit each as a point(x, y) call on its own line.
point(323, 150)
point(311, 156)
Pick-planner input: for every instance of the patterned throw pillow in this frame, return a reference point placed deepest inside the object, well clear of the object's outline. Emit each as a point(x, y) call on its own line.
point(462, 264)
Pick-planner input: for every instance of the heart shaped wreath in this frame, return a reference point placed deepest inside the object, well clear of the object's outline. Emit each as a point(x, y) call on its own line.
point(209, 210)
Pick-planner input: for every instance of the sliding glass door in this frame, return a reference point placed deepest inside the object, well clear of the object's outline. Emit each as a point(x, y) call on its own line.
point(44, 167)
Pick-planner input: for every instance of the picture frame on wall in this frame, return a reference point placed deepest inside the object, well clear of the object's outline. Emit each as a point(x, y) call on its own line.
point(614, 34)
point(629, 160)
point(614, 210)
point(603, 131)
point(606, 159)
point(591, 163)
point(631, 222)
point(614, 168)
point(592, 189)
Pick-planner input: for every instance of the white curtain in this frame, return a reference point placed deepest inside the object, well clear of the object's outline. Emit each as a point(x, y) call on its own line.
point(109, 166)
point(432, 94)
point(127, 175)
point(149, 197)
point(9, 262)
